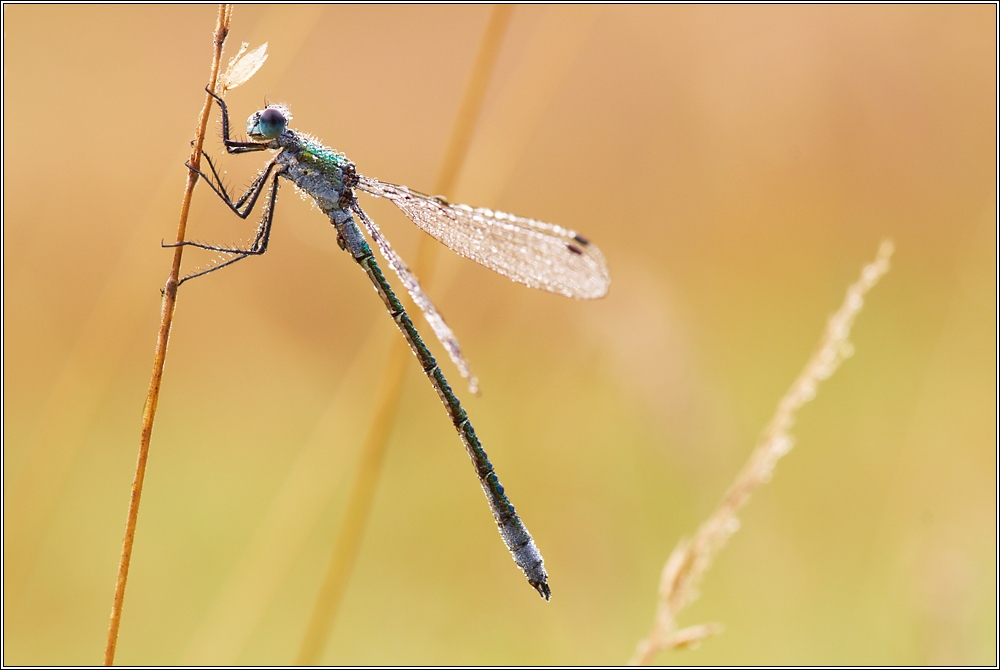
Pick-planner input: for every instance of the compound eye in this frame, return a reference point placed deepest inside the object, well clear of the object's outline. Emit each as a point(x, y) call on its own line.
point(272, 123)
point(266, 124)
point(272, 117)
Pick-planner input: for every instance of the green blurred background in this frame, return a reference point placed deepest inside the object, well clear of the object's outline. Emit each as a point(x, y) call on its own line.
point(737, 166)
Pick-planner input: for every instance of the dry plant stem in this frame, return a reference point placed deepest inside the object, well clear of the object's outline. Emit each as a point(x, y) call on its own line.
point(348, 541)
point(166, 317)
point(691, 559)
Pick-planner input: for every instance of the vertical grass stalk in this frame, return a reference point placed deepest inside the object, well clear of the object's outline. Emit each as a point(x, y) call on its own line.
point(166, 318)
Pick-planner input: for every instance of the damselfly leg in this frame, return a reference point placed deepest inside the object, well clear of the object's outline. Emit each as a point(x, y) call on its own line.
point(259, 244)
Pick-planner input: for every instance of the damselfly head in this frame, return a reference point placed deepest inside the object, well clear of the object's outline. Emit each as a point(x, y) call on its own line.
point(268, 123)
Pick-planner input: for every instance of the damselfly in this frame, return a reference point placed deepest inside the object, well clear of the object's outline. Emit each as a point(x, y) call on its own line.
point(531, 252)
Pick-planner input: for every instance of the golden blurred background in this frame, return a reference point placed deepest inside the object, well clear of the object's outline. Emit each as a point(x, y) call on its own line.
point(738, 165)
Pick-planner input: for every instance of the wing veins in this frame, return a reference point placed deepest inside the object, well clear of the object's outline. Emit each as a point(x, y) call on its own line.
point(535, 253)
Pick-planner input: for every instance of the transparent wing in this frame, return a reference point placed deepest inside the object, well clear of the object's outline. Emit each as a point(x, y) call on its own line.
point(531, 252)
point(440, 328)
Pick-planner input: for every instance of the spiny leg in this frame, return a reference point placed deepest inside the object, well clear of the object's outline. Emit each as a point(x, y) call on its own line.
point(252, 193)
point(233, 146)
point(202, 273)
point(259, 245)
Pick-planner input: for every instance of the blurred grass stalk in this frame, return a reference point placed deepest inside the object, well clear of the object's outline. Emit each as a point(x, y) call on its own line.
point(351, 532)
point(166, 318)
point(690, 559)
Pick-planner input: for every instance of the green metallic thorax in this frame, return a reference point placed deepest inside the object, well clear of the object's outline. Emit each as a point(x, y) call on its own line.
point(324, 158)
